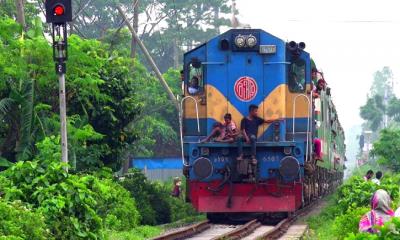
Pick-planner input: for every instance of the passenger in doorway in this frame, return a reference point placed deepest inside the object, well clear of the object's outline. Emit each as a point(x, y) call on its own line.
point(249, 127)
point(194, 87)
point(318, 149)
point(369, 175)
point(377, 179)
point(380, 213)
point(177, 190)
point(226, 132)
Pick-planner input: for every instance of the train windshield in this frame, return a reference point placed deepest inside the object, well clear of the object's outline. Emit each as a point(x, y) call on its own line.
point(297, 76)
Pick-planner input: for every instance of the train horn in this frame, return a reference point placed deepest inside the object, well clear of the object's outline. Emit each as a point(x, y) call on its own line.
point(293, 46)
point(302, 45)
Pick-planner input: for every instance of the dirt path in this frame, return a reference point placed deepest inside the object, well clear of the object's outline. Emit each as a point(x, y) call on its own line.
point(315, 211)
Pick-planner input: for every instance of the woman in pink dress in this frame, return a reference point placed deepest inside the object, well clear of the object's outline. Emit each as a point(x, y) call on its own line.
point(380, 213)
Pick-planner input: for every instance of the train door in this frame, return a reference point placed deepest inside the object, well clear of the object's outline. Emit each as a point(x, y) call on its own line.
point(245, 81)
point(195, 87)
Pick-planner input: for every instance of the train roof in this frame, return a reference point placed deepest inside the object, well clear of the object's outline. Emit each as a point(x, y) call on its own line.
point(239, 30)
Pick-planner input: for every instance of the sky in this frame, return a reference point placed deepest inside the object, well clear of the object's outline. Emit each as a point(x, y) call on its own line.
point(349, 41)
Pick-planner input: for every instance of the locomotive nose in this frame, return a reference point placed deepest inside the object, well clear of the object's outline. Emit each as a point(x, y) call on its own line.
point(289, 167)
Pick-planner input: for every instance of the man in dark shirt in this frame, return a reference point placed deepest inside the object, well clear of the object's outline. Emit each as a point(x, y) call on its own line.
point(249, 127)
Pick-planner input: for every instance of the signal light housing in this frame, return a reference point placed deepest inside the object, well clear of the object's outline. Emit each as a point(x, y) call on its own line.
point(58, 11)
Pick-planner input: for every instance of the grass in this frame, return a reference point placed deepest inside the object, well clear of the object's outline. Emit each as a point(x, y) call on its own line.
point(184, 222)
point(321, 226)
point(138, 233)
point(146, 232)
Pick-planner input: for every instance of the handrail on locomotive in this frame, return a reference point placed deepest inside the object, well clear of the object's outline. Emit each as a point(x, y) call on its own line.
point(181, 123)
point(309, 109)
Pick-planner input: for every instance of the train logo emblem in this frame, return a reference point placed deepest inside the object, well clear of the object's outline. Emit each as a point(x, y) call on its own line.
point(246, 89)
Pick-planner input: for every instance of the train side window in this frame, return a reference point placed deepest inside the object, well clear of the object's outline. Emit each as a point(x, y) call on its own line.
point(195, 84)
point(297, 76)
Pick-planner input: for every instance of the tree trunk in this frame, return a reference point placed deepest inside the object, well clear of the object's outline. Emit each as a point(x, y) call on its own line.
point(135, 27)
point(20, 12)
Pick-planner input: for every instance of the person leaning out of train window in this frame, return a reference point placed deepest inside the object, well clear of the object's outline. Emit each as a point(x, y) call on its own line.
point(321, 85)
point(380, 213)
point(249, 128)
point(226, 132)
point(314, 76)
point(194, 86)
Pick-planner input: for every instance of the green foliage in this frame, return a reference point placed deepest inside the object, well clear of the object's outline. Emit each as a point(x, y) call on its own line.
point(387, 147)
point(339, 220)
point(389, 231)
point(17, 221)
point(157, 206)
point(139, 233)
point(348, 222)
point(373, 111)
point(73, 206)
point(356, 192)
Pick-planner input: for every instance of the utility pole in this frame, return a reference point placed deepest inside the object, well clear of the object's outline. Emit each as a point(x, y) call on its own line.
point(135, 27)
point(150, 60)
point(59, 13)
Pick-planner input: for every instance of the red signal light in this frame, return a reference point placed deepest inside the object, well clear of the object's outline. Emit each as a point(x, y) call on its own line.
point(59, 10)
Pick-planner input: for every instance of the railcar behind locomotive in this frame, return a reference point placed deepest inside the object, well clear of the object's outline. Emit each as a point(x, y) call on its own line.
point(300, 155)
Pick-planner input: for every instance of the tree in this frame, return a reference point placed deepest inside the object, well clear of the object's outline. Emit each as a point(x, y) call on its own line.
point(101, 98)
point(169, 28)
point(387, 148)
point(19, 4)
point(373, 112)
point(382, 84)
point(380, 103)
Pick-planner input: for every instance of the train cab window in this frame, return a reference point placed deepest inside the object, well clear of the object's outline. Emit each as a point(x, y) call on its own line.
point(297, 76)
point(195, 84)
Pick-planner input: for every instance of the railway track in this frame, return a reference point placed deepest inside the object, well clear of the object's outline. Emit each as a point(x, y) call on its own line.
point(251, 230)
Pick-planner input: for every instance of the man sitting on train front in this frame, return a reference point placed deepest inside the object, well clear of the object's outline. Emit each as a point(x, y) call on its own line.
point(249, 126)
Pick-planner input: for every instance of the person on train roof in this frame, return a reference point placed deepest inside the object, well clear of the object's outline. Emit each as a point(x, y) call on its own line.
point(224, 132)
point(249, 128)
point(194, 86)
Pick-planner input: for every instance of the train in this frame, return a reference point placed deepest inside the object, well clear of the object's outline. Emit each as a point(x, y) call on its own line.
point(244, 67)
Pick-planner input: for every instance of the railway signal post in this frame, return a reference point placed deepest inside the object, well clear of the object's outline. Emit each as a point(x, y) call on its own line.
point(59, 13)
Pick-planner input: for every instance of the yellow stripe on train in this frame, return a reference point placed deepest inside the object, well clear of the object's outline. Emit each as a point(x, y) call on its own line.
point(278, 104)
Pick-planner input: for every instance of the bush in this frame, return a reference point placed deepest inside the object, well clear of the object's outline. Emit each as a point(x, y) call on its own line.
point(74, 206)
point(19, 222)
point(157, 206)
point(151, 197)
point(356, 192)
point(348, 222)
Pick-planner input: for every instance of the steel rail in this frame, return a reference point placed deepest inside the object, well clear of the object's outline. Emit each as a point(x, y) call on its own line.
point(185, 232)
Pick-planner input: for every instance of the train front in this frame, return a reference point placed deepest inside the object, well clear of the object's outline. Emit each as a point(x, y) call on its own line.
point(239, 68)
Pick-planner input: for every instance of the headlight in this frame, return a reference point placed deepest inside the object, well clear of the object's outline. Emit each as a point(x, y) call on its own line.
point(289, 167)
point(251, 41)
point(240, 41)
point(202, 168)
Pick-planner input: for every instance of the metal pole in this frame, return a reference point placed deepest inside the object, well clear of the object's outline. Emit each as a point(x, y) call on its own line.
point(63, 106)
point(149, 59)
point(63, 119)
